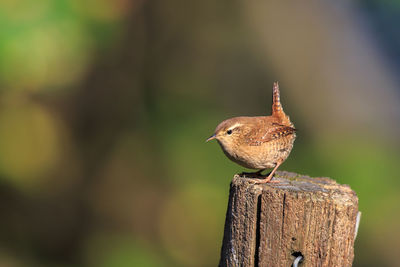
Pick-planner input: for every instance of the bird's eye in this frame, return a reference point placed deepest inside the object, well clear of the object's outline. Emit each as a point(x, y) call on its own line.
point(229, 132)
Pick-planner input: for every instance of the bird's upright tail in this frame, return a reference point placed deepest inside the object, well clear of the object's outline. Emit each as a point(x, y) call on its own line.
point(277, 109)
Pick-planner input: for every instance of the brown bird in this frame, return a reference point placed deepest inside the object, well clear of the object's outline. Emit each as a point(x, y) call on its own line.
point(260, 142)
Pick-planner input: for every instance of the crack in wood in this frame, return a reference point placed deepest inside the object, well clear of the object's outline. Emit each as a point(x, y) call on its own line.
point(257, 248)
point(283, 213)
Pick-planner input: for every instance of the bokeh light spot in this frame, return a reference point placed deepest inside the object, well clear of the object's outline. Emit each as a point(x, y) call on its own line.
point(45, 56)
point(29, 142)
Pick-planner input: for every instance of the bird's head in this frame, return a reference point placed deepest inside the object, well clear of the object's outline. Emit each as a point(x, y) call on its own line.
point(228, 132)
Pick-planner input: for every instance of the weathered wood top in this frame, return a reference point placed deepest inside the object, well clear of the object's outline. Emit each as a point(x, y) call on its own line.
point(321, 187)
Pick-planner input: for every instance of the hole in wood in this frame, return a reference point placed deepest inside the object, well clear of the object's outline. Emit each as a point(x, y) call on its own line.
point(297, 253)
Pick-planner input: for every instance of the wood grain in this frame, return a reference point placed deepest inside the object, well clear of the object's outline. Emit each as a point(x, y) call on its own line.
point(270, 224)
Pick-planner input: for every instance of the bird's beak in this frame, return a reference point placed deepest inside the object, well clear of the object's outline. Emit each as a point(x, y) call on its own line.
point(211, 138)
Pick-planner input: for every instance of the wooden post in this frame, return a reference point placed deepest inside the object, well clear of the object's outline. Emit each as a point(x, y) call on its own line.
point(271, 224)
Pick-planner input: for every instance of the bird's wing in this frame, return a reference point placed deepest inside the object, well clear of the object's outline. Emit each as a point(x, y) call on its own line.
point(258, 136)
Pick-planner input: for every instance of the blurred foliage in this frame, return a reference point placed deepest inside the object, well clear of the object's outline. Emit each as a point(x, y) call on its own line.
point(105, 106)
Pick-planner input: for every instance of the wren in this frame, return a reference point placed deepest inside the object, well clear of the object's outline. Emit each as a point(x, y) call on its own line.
point(260, 142)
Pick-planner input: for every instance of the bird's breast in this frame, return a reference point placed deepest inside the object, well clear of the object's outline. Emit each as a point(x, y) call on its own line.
point(261, 156)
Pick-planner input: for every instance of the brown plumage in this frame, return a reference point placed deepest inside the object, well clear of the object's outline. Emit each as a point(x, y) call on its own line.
point(258, 142)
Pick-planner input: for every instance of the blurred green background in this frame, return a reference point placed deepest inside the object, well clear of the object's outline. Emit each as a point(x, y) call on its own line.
point(105, 106)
